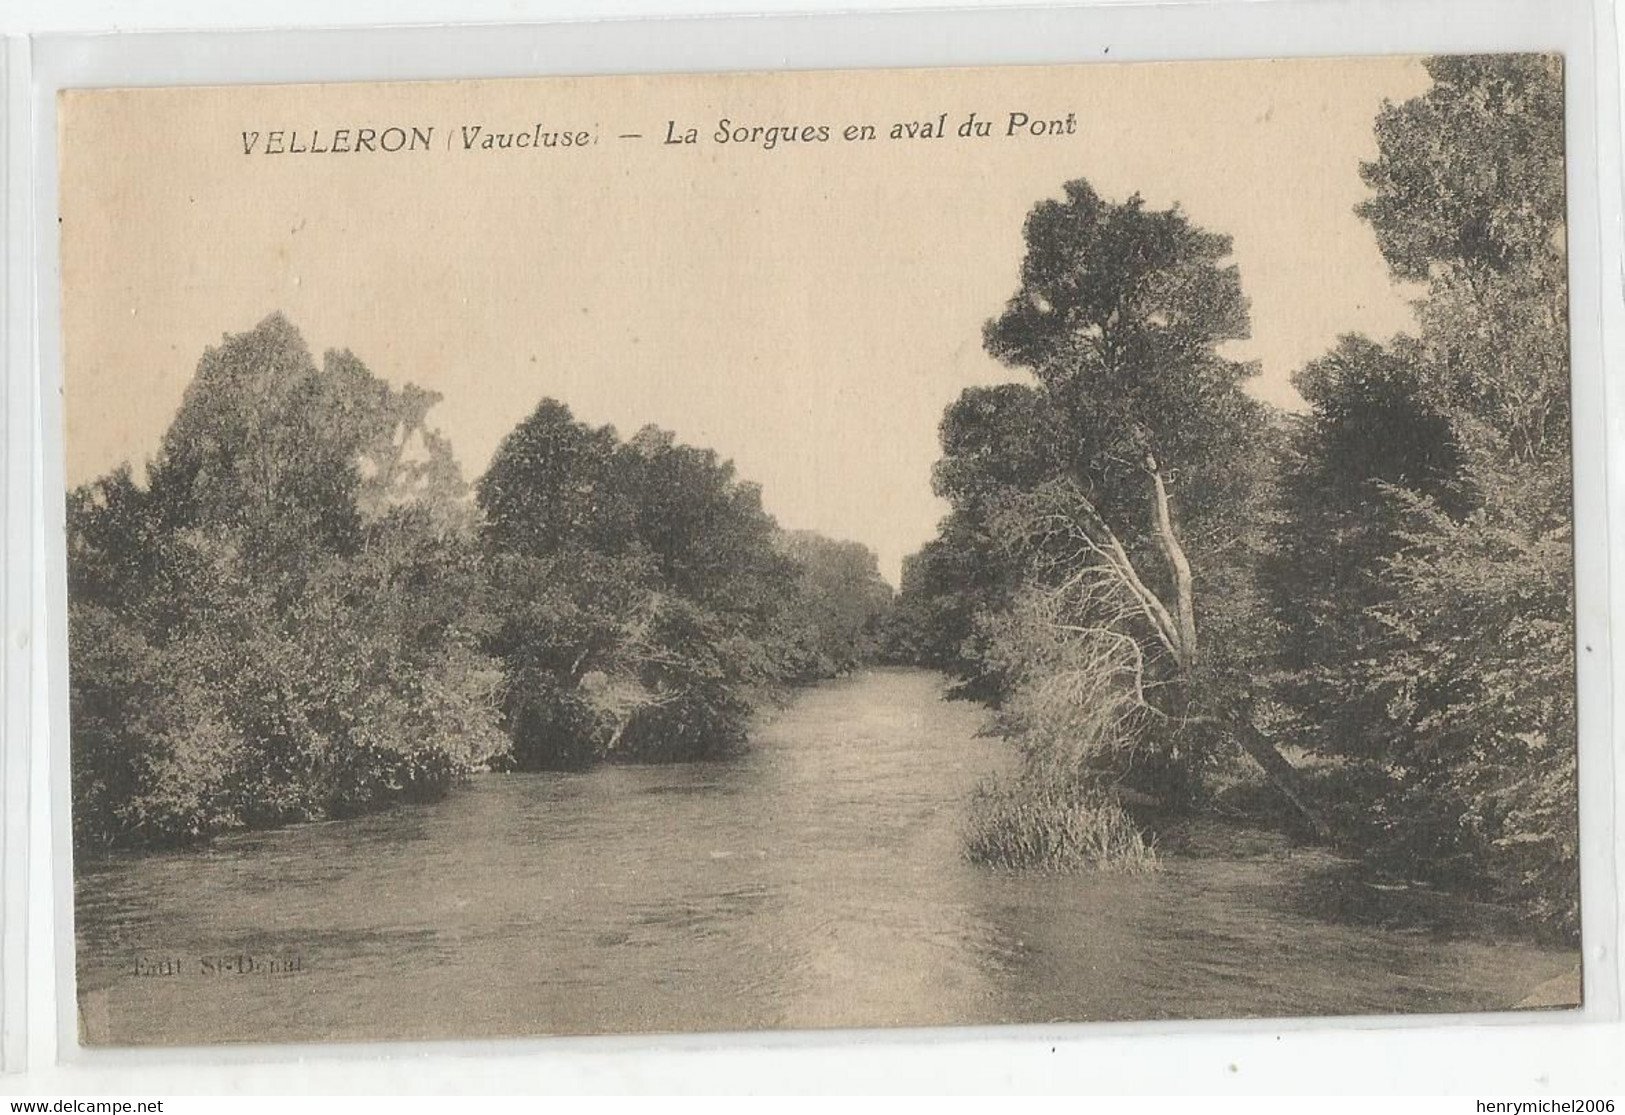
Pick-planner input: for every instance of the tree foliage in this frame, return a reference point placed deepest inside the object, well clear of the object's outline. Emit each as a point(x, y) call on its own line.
point(1106, 512)
point(281, 623)
point(649, 604)
point(1096, 577)
point(1140, 562)
point(843, 606)
point(301, 612)
point(1431, 639)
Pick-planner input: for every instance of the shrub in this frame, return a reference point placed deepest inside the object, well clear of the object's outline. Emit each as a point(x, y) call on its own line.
point(281, 624)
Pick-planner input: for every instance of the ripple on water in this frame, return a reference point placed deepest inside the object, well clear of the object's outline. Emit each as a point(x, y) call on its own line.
point(816, 879)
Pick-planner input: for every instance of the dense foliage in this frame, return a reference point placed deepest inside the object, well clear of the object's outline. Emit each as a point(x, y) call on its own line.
point(1147, 573)
point(1427, 606)
point(842, 611)
point(646, 599)
point(302, 613)
point(302, 610)
point(1098, 510)
point(281, 624)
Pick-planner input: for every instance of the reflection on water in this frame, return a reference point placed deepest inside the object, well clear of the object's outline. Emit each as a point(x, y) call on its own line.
point(814, 881)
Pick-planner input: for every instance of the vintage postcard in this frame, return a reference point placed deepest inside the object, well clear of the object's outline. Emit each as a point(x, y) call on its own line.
point(823, 549)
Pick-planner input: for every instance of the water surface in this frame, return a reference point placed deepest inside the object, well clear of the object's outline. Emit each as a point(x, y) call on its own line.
point(815, 880)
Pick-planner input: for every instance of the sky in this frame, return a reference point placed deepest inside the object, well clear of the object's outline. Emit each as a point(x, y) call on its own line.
point(806, 310)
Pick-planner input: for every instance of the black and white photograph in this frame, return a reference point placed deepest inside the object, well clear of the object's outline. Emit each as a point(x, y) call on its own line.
point(705, 553)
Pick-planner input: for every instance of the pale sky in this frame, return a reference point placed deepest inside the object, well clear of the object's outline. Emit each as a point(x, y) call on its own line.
point(806, 311)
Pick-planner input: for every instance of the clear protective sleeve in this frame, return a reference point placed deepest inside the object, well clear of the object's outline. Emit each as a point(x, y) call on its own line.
point(38, 1028)
point(19, 413)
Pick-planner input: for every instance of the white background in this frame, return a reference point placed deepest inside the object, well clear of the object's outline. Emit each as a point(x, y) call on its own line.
point(1489, 1057)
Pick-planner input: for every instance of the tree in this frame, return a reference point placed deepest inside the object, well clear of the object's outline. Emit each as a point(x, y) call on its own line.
point(553, 484)
point(841, 603)
point(1120, 315)
point(996, 440)
point(1114, 502)
point(282, 623)
point(1450, 452)
point(1370, 428)
point(639, 588)
point(710, 538)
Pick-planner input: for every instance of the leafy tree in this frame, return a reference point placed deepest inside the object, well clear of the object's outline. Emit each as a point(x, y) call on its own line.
point(711, 540)
point(1120, 315)
point(569, 632)
point(841, 605)
point(554, 483)
point(639, 588)
point(282, 623)
point(1112, 507)
point(1443, 466)
point(1370, 427)
point(150, 747)
point(996, 440)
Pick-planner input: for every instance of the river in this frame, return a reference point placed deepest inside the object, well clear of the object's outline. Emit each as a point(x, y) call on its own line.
point(816, 880)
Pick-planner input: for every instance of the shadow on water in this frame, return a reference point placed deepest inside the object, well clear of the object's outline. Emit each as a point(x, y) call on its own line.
point(1347, 893)
point(1337, 888)
point(817, 879)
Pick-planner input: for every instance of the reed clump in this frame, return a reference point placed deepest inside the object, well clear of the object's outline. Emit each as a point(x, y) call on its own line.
point(1024, 823)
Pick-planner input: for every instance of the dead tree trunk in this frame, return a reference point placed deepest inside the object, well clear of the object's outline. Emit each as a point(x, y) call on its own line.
point(1075, 519)
point(1281, 773)
point(1178, 564)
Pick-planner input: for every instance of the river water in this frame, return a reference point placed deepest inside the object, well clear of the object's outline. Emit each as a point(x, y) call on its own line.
point(814, 881)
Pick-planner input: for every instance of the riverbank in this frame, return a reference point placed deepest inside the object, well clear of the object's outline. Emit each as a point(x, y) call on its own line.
point(817, 879)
